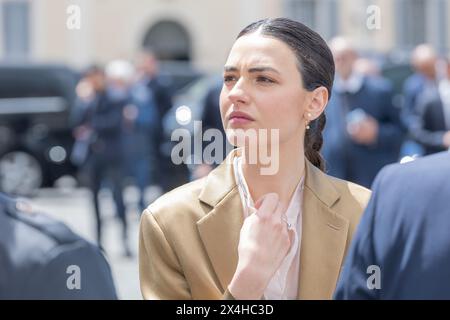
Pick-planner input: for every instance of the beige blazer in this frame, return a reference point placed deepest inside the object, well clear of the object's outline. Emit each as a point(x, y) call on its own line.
point(189, 237)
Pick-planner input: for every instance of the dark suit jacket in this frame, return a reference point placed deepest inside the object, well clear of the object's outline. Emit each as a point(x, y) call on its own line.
point(104, 114)
point(161, 92)
point(351, 161)
point(404, 231)
point(412, 88)
point(427, 124)
point(37, 255)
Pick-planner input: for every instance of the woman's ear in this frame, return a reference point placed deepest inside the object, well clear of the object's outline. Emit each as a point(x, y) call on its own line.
point(319, 100)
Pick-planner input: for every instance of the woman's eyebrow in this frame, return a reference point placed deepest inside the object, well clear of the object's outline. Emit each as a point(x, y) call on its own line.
point(262, 69)
point(251, 70)
point(230, 69)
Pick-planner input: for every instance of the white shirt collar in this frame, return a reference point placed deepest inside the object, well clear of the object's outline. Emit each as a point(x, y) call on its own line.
point(244, 190)
point(444, 92)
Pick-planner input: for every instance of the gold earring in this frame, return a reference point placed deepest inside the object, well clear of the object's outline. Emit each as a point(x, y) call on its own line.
point(307, 125)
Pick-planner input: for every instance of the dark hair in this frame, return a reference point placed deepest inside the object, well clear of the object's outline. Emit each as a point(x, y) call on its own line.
point(315, 64)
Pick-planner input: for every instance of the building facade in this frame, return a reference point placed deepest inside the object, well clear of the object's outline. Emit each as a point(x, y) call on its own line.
point(202, 31)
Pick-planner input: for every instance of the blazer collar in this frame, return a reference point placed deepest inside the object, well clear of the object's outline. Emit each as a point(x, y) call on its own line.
point(324, 232)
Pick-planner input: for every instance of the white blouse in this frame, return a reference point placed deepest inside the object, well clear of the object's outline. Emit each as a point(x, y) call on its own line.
point(284, 283)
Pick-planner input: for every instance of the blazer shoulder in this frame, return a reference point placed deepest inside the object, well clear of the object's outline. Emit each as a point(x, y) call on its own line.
point(353, 198)
point(178, 204)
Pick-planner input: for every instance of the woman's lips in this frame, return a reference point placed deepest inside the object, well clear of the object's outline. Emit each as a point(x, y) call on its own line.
point(238, 117)
point(239, 120)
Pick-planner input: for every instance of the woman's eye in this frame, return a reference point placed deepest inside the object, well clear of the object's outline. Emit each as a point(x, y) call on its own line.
point(264, 80)
point(229, 78)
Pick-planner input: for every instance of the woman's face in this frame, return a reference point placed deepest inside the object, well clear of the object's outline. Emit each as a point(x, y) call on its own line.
point(262, 89)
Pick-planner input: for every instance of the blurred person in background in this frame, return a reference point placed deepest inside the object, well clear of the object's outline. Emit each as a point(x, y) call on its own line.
point(429, 123)
point(41, 258)
point(423, 62)
point(363, 131)
point(211, 119)
point(367, 67)
point(99, 125)
point(148, 73)
point(142, 124)
point(147, 66)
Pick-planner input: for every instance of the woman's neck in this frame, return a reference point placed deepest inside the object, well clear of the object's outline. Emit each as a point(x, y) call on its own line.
point(291, 168)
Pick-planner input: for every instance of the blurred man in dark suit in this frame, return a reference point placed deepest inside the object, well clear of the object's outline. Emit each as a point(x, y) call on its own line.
point(40, 258)
point(429, 124)
point(99, 126)
point(363, 131)
point(423, 61)
point(158, 87)
point(401, 249)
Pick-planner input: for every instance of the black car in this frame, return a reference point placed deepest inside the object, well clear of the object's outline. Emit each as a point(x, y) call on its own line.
point(35, 136)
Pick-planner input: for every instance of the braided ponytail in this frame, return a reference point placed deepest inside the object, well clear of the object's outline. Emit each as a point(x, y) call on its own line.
point(314, 141)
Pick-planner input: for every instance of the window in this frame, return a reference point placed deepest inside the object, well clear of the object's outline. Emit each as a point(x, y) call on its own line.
point(169, 40)
point(438, 28)
point(420, 21)
point(303, 11)
point(319, 15)
point(411, 18)
point(15, 27)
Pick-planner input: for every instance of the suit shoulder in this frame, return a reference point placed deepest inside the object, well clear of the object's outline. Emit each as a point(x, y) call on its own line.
point(418, 173)
point(427, 98)
point(21, 214)
point(32, 242)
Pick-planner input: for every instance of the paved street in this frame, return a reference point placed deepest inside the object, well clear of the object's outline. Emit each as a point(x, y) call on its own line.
point(74, 207)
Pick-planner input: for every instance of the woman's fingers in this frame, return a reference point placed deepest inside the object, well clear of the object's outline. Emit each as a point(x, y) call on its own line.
point(270, 206)
point(267, 204)
point(259, 202)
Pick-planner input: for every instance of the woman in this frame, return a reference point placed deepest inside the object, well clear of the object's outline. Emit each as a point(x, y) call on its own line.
point(208, 239)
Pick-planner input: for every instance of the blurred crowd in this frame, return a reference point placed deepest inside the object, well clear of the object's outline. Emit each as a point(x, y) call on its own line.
point(367, 129)
point(117, 123)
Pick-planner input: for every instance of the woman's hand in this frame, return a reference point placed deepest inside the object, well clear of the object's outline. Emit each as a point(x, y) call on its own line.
point(263, 244)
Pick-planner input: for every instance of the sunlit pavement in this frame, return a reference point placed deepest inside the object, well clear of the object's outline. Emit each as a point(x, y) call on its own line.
point(74, 207)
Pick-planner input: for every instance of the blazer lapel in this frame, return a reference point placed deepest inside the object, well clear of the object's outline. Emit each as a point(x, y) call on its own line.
point(324, 237)
point(220, 228)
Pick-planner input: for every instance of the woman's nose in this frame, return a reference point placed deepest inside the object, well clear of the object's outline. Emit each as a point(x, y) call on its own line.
point(238, 93)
